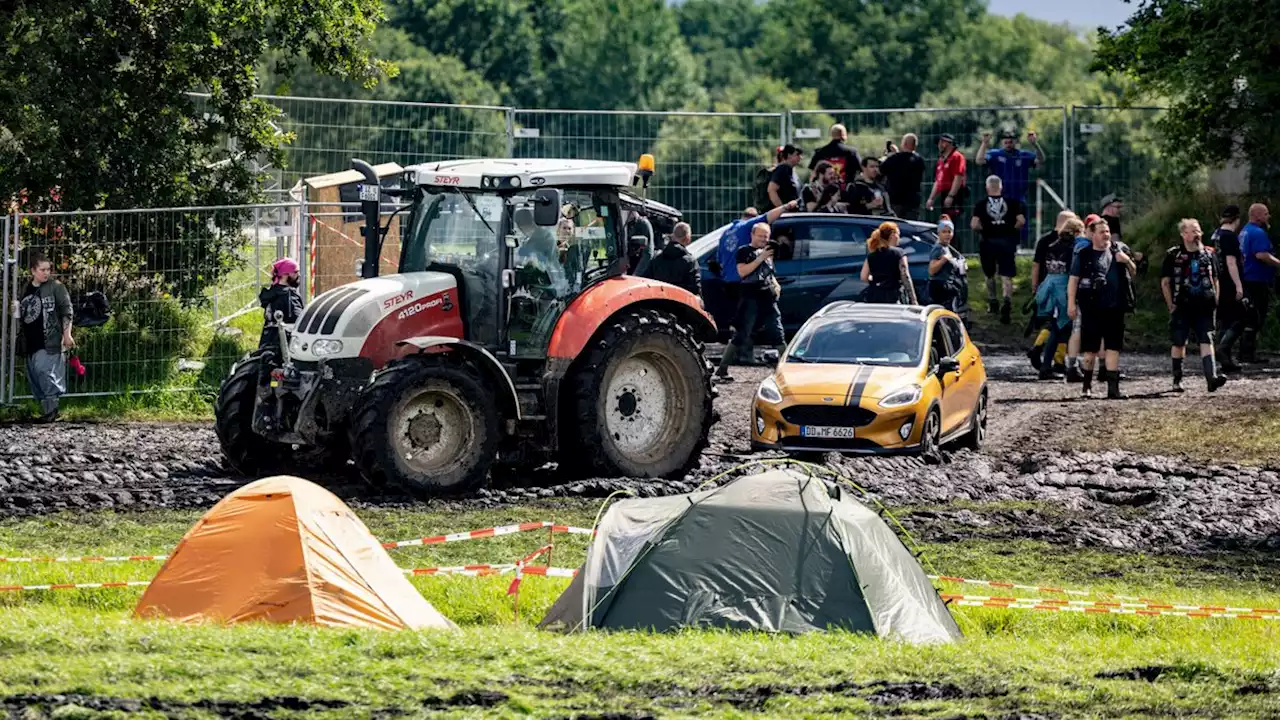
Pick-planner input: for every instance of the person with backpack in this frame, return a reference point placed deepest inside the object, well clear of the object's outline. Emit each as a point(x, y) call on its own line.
point(1189, 282)
point(739, 234)
point(778, 185)
point(44, 312)
point(1098, 292)
point(281, 296)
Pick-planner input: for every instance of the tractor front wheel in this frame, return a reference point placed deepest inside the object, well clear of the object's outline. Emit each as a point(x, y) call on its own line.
point(427, 425)
point(248, 452)
point(644, 398)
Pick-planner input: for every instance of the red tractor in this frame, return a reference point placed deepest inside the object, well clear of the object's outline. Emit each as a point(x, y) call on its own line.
point(514, 333)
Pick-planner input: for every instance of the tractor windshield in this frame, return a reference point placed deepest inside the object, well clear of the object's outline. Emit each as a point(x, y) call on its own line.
point(452, 227)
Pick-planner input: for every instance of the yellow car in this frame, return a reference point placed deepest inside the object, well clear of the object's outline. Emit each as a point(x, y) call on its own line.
point(878, 379)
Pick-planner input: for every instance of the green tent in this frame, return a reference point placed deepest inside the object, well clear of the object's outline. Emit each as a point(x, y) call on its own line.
point(779, 551)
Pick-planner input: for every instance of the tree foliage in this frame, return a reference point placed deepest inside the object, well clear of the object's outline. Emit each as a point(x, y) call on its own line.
point(1219, 61)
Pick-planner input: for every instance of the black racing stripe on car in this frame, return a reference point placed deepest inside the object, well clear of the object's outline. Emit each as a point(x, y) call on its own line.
point(340, 307)
point(860, 384)
point(853, 383)
point(322, 307)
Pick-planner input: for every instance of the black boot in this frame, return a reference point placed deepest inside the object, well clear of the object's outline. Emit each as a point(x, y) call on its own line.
point(1225, 346)
point(1006, 312)
point(1211, 376)
point(1113, 384)
point(1075, 373)
point(1034, 356)
point(1086, 380)
point(1177, 375)
point(1249, 347)
point(730, 355)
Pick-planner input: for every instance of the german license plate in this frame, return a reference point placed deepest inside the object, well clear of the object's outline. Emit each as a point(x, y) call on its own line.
point(819, 431)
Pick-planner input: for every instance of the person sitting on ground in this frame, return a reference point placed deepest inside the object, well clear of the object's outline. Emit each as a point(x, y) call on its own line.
point(1189, 282)
point(885, 270)
point(280, 296)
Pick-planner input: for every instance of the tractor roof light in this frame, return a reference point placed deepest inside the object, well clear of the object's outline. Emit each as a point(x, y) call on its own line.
point(644, 168)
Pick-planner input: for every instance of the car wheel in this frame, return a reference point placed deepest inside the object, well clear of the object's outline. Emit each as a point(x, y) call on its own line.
point(977, 435)
point(931, 438)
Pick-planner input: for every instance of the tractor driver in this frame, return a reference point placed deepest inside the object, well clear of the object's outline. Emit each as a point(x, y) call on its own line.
point(539, 250)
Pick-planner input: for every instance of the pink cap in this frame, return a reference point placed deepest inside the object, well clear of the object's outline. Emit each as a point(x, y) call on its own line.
point(284, 266)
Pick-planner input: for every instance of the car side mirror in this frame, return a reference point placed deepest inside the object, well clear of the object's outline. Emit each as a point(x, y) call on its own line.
point(546, 207)
point(948, 365)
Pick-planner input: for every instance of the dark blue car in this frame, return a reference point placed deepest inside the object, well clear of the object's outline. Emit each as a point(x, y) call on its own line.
point(824, 263)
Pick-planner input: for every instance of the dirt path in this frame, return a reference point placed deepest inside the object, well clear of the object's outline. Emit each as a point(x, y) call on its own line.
point(1033, 480)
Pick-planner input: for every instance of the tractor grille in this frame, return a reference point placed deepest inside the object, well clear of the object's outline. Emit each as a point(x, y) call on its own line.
point(322, 316)
point(828, 415)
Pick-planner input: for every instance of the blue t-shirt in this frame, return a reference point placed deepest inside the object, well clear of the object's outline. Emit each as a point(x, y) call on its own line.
point(1013, 169)
point(1081, 242)
point(735, 236)
point(1254, 239)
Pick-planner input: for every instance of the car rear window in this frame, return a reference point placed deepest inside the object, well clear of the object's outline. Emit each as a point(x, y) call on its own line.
point(898, 343)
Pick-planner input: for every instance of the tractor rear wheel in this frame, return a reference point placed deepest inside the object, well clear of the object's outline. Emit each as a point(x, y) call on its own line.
point(427, 425)
point(248, 452)
point(644, 398)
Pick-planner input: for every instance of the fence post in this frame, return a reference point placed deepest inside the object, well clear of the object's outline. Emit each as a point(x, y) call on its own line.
point(1069, 152)
point(304, 246)
point(511, 132)
point(257, 246)
point(783, 121)
point(10, 260)
point(7, 321)
point(1066, 155)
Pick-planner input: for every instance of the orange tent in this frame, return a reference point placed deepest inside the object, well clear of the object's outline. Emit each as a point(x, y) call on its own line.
point(285, 550)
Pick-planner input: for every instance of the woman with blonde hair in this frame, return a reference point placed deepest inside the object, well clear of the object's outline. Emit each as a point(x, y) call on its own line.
point(885, 269)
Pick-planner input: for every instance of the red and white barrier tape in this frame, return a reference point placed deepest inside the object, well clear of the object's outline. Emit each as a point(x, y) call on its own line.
point(1035, 604)
point(1035, 588)
point(480, 570)
point(487, 533)
point(76, 586)
point(1115, 605)
point(84, 559)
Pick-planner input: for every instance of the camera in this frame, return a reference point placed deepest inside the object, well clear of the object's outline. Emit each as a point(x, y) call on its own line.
point(773, 245)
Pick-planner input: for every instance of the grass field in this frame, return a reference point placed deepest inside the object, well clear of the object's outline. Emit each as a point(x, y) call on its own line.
point(1011, 662)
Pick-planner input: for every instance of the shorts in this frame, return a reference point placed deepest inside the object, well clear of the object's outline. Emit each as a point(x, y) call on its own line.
point(1100, 326)
point(1197, 325)
point(997, 257)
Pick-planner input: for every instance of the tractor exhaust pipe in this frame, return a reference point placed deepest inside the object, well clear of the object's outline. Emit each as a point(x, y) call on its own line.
point(370, 207)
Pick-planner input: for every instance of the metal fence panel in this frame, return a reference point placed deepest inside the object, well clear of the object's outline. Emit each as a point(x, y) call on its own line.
point(706, 162)
point(182, 284)
point(334, 245)
point(1115, 151)
point(6, 321)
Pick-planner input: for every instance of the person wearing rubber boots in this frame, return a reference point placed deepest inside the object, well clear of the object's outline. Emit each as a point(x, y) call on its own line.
point(1189, 282)
point(1096, 293)
point(281, 296)
point(1231, 305)
point(1050, 278)
point(1260, 263)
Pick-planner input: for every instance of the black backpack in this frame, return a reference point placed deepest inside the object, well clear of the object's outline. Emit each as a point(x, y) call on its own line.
point(92, 309)
point(760, 191)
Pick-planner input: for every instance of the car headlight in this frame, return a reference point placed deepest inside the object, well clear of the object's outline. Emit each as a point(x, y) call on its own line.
point(321, 348)
point(906, 396)
point(769, 392)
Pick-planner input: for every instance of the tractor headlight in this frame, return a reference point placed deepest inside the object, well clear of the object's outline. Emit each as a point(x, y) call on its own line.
point(295, 345)
point(769, 392)
point(909, 395)
point(322, 348)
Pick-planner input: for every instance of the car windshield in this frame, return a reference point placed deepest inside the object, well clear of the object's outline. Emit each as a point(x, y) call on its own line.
point(897, 343)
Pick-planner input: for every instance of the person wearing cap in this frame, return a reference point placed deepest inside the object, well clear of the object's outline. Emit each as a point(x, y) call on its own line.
point(784, 184)
point(280, 296)
point(1231, 308)
point(948, 285)
point(837, 154)
point(1109, 209)
point(1260, 265)
point(1011, 164)
point(948, 178)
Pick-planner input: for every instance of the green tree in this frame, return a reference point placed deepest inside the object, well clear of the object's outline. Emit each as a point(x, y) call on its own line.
point(858, 53)
point(1217, 60)
point(1052, 58)
point(94, 102)
point(722, 35)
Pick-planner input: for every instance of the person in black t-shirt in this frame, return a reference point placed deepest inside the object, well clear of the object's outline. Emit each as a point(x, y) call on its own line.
point(1231, 309)
point(903, 172)
point(784, 185)
point(885, 270)
point(823, 194)
point(1189, 281)
point(1096, 292)
point(1049, 269)
point(1000, 219)
point(839, 155)
point(758, 295)
point(865, 195)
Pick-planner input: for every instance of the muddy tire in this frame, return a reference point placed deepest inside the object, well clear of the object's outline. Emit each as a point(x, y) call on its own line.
point(247, 452)
point(426, 425)
point(931, 438)
point(643, 399)
point(977, 435)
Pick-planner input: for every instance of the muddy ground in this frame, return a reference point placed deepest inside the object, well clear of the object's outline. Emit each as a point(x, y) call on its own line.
point(1031, 481)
